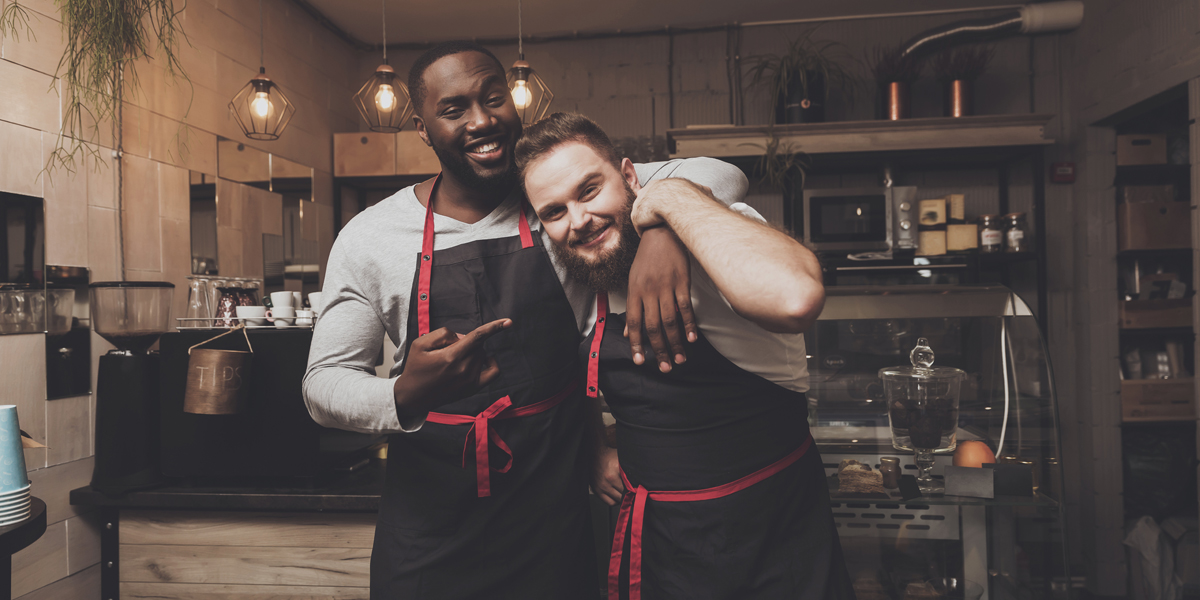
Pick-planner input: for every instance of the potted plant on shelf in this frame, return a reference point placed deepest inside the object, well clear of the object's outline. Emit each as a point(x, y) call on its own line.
point(895, 71)
point(798, 81)
point(957, 69)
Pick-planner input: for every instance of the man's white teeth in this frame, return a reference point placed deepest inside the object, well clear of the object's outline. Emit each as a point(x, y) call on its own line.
point(484, 149)
point(592, 237)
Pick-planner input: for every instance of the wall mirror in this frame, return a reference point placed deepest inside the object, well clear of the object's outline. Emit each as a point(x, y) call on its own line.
point(243, 164)
point(203, 212)
point(68, 332)
point(22, 264)
point(290, 247)
point(291, 261)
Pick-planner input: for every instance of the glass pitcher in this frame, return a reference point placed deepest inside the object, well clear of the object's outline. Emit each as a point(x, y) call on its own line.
point(922, 402)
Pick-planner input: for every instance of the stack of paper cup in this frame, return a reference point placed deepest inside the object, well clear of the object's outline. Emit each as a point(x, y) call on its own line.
point(14, 483)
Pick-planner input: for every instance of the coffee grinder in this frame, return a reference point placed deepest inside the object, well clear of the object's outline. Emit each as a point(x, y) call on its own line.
point(131, 315)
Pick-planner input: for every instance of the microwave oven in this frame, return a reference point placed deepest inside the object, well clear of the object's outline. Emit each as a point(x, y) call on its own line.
point(861, 219)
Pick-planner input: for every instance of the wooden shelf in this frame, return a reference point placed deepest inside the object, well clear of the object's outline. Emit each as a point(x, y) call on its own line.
point(1155, 314)
point(847, 137)
point(1157, 400)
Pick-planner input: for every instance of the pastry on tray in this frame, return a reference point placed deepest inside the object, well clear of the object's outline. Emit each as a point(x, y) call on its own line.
point(860, 480)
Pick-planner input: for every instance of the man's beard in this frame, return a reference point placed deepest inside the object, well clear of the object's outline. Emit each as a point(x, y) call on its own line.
point(609, 271)
point(459, 165)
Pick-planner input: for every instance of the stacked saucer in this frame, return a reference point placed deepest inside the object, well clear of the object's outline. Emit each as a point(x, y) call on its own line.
point(14, 484)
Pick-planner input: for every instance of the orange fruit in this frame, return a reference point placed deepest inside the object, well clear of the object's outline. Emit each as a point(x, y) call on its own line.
point(973, 454)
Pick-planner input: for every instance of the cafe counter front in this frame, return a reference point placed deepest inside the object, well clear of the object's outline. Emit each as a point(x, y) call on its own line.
point(996, 541)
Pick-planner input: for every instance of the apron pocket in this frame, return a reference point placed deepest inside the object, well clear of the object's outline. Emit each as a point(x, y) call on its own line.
point(459, 313)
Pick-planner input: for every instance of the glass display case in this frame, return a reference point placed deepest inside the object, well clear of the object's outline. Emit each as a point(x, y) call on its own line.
point(908, 547)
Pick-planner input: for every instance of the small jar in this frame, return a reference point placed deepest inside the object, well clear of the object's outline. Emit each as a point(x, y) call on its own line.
point(889, 467)
point(991, 237)
point(1015, 238)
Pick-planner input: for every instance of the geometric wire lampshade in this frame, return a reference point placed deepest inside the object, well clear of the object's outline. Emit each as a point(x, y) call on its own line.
point(384, 101)
point(530, 94)
point(261, 108)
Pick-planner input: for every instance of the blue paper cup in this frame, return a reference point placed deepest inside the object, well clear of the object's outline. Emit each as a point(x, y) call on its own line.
point(12, 456)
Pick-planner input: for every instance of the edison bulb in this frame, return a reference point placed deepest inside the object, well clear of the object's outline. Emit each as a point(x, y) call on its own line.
point(261, 105)
point(521, 95)
point(385, 98)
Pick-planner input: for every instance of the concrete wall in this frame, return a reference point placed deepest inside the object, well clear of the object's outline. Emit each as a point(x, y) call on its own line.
point(220, 56)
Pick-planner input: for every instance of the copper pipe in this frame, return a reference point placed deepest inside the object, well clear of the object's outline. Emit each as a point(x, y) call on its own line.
point(897, 101)
point(958, 98)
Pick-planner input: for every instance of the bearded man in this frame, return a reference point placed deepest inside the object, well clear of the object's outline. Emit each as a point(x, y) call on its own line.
point(722, 490)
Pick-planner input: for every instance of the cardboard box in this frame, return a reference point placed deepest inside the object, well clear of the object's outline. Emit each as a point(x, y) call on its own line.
point(1154, 225)
point(1147, 149)
point(1148, 193)
point(962, 237)
point(932, 212)
point(1155, 314)
point(931, 243)
point(956, 208)
point(1157, 400)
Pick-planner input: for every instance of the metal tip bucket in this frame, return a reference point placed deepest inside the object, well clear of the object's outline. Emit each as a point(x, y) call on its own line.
point(217, 380)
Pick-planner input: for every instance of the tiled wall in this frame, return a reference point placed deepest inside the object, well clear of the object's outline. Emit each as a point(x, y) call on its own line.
point(221, 54)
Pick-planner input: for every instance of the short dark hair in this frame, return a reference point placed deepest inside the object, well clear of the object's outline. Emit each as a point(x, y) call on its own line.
point(561, 128)
point(416, 75)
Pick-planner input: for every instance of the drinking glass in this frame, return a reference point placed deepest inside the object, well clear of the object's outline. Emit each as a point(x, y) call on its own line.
point(198, 306)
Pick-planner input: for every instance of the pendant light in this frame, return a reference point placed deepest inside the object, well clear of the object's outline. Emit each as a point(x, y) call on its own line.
point(384, 101)
point(530, 94)
point(260, 108)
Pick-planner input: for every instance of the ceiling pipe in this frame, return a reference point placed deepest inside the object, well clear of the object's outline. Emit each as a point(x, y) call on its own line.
point(1029, 19)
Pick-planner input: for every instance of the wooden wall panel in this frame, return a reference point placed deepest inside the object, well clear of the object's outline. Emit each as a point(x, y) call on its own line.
point(311, 530)
point(191, 591)
point(42, 563)
point(246, 565)
point(54, 487)
point(84, 585)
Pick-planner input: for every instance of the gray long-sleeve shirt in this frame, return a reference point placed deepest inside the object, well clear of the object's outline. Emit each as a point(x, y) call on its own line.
point(369, 279)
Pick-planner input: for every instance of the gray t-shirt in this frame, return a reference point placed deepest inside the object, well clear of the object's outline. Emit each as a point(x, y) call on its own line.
point(369, 278)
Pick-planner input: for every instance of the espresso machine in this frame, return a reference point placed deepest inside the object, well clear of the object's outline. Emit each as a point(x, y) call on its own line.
point(131, 315)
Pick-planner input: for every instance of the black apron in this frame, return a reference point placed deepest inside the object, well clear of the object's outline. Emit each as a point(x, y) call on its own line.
point(518, 527)
point(725, 488)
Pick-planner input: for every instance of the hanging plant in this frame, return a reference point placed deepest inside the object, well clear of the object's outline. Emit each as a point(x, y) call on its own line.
point(104, 41)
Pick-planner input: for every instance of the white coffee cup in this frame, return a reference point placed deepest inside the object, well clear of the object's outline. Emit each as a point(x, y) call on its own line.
point(282, 299)
point(252, 315)
point(297, 300)
point(304, 318)
point(314, 300)
point(281, 316)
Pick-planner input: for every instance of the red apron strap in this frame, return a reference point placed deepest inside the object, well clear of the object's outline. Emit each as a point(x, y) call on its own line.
point(635, 544)
point(426, 263)
point(618, 547)
point(483, 468)
point(484, 434)
point(633, 507)
point(523, 226)
point(593, 371)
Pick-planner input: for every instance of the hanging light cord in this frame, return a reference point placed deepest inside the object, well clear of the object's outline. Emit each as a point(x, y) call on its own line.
point(262, 52)
point(520, 37)
point(383, 9)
